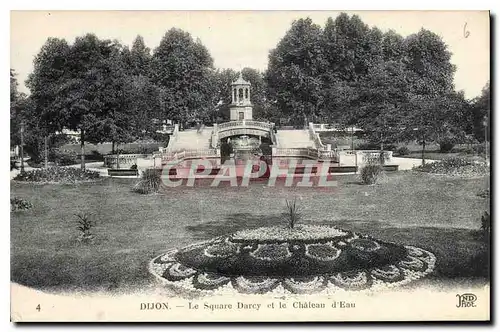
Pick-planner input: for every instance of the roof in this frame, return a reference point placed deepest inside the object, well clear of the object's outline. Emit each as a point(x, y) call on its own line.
point(240, 81)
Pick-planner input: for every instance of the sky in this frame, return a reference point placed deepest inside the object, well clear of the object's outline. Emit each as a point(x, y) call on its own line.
point(238, 39)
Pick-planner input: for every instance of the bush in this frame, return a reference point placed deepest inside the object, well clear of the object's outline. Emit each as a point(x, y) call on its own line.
point(479, 149)
point(150, 182)
point(446, 145)
point(19, 204)
point(95, 155)
point(370, 173)
point(403, 151)
point(455, 166)
point(65, 157)
point(486, 223)
point(57, 174)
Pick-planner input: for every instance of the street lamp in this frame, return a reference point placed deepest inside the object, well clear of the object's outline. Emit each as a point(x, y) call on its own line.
point(485, 123)
point(22, 146)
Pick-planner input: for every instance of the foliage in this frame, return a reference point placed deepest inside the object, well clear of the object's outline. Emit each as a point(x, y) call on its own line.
point(19, 204)
point(183, 69)
point(57, 174)
point(85, 226)
point(292, 213)
point(150, 182)
point(64, 157)
point(403, 151)
point(486, 223)
point(294, 70)
point(446, 144)
point(456, 166)
point(370, 173)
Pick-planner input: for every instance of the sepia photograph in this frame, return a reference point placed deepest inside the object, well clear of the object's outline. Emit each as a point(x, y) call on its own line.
point(250, 166)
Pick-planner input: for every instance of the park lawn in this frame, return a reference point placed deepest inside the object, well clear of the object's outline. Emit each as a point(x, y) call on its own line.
point(440, 214)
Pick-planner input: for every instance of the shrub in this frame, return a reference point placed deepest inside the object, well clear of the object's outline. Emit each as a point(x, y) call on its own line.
point(150, 182)
point(486, 222)
point(479, 149)
point(370, 173)
point(57, 174)
point(19, 204)
point(65, 157)
point(446, 145)
point(95, 155)
point(292, 213)
point(484, 193)
point(403, 151)
point(85, 225)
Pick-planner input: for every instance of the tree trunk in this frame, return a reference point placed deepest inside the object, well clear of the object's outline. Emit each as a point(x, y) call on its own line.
point(113, 147)
point(46, 152)
point(423, 152)
point(82, 149)
point(117, 160)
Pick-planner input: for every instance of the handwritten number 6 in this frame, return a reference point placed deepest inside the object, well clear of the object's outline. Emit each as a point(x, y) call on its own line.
point(466, 32)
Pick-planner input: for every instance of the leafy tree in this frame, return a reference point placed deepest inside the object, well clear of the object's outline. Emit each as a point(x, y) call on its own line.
point(93, 98)
point(293, 75)
point(481, 108)
point(183, 68)
point(44, 83)
point(15, 116)
point(431, 101)
point(137, 60)
point(383, 98)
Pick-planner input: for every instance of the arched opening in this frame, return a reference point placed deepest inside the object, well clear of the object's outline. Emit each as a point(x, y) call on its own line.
point(235, 97)
point(240, 94)
point(246, 93)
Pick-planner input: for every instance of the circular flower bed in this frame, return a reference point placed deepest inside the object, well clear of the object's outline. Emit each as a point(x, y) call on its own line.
point(308, 259)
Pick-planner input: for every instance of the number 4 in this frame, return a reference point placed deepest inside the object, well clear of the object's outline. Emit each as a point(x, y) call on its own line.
point(38, 307)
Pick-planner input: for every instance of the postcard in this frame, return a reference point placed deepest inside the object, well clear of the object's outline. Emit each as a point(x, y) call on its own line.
point(250, 166)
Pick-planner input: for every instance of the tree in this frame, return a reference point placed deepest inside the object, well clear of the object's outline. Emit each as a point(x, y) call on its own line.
point(183, 68)
point(257, 92)
point(137, 60)
point(431, 101)
point(15, 114)
point(49, 71)
point(94, 96)
point(481, 108)
point(383, 97)
point(293, 75)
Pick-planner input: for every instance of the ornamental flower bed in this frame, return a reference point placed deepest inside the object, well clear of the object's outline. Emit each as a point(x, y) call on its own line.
point(456, 166)
point(278, 260)
point(57, 174)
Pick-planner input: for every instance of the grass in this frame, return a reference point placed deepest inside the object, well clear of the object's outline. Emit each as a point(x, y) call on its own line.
point(439, 214)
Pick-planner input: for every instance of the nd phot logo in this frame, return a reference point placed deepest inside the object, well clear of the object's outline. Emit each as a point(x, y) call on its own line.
point(466, 300)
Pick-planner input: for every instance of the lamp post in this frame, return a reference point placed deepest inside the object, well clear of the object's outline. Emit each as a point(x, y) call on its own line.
point(485, 123)
point(22, 146)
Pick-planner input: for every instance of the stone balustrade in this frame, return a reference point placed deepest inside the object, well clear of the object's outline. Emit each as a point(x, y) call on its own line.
point(306, 153)
point(122, 160)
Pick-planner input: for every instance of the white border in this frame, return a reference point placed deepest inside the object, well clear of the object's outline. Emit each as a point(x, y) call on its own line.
point(181, 5)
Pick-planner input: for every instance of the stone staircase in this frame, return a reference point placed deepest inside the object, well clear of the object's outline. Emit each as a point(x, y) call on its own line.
point(290, 139)
point(191, 139)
